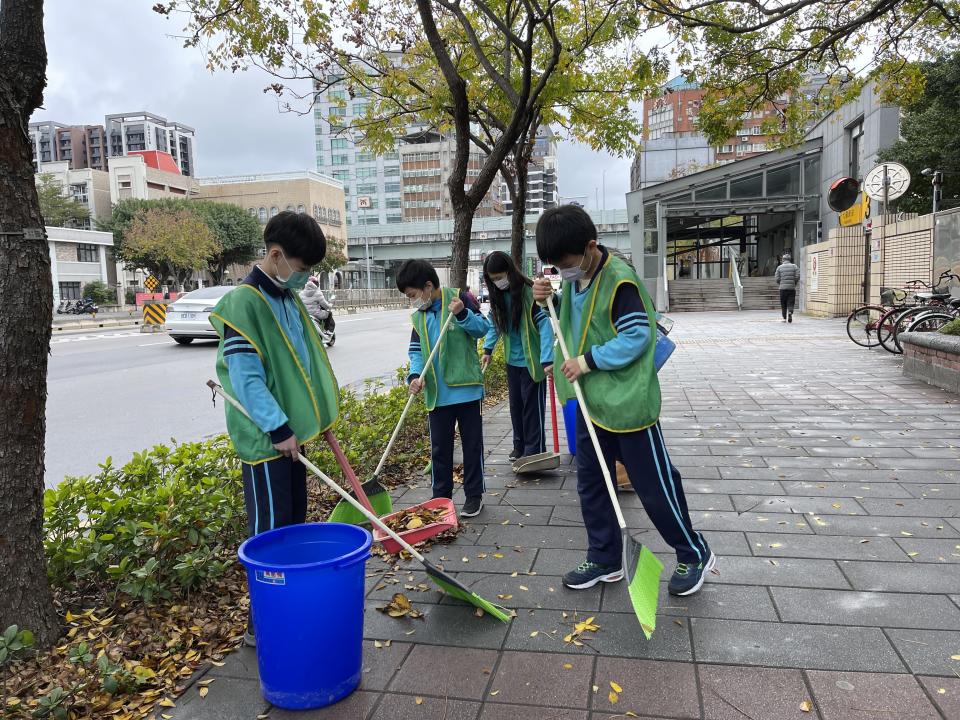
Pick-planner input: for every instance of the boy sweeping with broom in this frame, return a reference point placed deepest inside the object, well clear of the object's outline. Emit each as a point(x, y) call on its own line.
point(453, 386)
point(604, 320)
point(273, 362)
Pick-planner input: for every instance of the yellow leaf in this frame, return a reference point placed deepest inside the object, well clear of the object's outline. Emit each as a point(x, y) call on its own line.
point(630, 713)
point(589, 620)
point(504, 597)
point(377, 644)
point(567, 666)
point(913, 554)
point(776, 545)
point(414, 523)
point(494, 693)
point(613, 697)
point(534, 633)
point(955, 657)
point(524, 587)
point(615, 687)
point(941, 691)
point(419, 701)
point(166, 702)
point(568, 638)
point(806, 706)
point(836, 506)
point(906, 534)
point(204, 691)
point(498, 556)
point(205, 683)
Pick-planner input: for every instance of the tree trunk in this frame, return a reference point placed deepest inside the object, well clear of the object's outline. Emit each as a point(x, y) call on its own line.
point(26, 296)
point(518, 216)
point(460, 249)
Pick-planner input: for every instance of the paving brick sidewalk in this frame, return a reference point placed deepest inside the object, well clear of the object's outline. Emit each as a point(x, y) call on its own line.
point(827, 483)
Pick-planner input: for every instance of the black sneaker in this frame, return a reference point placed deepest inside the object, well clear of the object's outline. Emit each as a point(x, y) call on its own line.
point(688, 579)
point(472, 507)
point(589, 574)
point(790, 317)
point(514, 454)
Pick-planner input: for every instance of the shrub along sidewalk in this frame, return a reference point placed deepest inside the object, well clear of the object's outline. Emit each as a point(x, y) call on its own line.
point(142, 559)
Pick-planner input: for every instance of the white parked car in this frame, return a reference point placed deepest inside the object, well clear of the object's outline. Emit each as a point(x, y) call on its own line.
point(188, 317)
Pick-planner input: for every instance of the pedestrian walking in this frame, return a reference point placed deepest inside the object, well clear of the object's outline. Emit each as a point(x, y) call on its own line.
point(528, 349)
point(605, 313)
point(787, 276)
point(272, 361)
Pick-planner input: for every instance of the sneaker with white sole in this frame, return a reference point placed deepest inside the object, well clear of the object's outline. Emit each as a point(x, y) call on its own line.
point(589, 574)
point(472, 507)
point(688, 579)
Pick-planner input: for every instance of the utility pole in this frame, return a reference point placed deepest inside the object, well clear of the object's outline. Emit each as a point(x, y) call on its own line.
point(363, 203)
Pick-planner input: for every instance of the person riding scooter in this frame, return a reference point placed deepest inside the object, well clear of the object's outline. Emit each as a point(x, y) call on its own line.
point(319, 308)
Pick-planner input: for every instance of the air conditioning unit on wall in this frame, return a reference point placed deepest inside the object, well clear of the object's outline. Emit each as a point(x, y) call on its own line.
point(744, 138)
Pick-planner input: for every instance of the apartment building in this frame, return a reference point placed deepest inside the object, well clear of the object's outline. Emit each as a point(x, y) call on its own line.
point(143, 131)
point(89, 187)
point(80, 146)
point(148, 175)
point(541, 176)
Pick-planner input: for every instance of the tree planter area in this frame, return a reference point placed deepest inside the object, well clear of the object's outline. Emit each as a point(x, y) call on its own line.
point(933, 358)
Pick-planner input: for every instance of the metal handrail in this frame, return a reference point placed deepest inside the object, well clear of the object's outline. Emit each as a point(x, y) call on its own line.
point(666, 288)
point(735, 274)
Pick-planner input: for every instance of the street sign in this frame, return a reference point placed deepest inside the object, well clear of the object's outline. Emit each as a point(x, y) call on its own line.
point(364, 202)
point(151, 283)
point(897, 181)
point(856, 213)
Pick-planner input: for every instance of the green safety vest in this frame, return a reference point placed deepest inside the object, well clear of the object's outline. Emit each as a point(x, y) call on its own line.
point(529, 337)
point(623, 400)
point(458, 358)
point(310, 401)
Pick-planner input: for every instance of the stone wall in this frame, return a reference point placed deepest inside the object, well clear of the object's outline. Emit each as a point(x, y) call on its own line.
point(933, 358)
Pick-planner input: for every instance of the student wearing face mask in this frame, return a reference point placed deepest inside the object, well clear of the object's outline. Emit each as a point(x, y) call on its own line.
point(452, 386)
point(272, 360)
point(605, 316)
point(528, 347)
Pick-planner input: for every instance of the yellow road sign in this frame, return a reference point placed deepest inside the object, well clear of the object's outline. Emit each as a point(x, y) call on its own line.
point(856, 214)
point(155, 314)
point(151, 283)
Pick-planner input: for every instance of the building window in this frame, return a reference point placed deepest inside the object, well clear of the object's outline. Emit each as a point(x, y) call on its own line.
point(341, 174)
point(748, 187)
point(391, 171)
point(69, 291)
point(366, 172)
point(393, 202)
point(360, 109)
point(338, 94)
point(263, 215)
point(253, 212)
point(855, 140)
point(784, 181)
point(274, 211)
point(391, 156)
point(366, 157)
point(391, 187)
point(366, 189)
point(341, 160)
point(338, 112)
point(289, 208)
point(755, 130)
point(394, 218)
point(339, 144)
point(301, 209)
point(87, 253)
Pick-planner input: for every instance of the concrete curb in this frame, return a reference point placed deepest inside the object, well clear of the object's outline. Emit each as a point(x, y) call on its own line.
point(94, 324)
point(933, 340)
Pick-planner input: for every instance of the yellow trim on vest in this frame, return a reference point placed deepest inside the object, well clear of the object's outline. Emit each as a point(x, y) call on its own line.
point(238, 332)
point(293, 354)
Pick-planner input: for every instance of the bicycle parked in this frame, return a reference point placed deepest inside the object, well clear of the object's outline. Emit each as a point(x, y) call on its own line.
point(872, 325)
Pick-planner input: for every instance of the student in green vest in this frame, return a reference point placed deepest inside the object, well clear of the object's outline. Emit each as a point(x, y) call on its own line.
point(452, 386)
point(272, 360)
point(528, 346)
point(605, 317)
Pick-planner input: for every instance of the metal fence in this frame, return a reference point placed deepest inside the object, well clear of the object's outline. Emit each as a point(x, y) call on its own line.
point(367, 298)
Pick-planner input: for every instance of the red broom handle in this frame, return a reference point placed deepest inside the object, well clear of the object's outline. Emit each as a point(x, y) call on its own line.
point(347, 470)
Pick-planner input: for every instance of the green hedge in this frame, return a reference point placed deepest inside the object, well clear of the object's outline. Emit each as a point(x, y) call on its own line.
point(951, 328)
point(172, 517)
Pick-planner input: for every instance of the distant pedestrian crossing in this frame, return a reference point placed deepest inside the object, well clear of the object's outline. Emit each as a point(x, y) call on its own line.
point(94, 336)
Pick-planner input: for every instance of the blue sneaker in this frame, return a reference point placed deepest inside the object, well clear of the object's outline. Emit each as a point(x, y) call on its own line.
point(589, 574)
point(687, 579)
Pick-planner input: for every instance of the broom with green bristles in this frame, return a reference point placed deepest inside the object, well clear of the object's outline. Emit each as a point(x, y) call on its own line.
point(445, 582)
point(640, 566)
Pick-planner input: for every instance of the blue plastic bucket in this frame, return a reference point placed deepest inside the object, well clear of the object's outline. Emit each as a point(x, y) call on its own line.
point(570, 424)
point(306, 593)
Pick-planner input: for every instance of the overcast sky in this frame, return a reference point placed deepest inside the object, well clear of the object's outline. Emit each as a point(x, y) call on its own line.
point(112, 56)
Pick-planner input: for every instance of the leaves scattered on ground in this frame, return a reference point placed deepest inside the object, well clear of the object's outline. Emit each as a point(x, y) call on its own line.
point(400, 607)
point(579, 628)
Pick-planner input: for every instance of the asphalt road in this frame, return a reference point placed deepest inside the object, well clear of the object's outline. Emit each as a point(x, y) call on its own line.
point(112, 393)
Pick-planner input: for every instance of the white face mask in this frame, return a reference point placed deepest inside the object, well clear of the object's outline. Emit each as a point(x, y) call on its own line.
point(421, 303)
point(575, 273)
point(502, 283)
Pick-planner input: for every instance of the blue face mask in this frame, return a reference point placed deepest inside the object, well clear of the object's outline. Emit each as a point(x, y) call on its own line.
point(295, 280)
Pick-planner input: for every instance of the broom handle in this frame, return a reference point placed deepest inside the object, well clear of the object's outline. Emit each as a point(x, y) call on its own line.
point(588, 420)
point(347, 470)
point(327, 481)
point(553, 415)
point(406, 408)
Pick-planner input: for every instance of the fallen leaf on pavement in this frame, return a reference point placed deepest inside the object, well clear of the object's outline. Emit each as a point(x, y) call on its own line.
point(615, 687)
point(400, 607)
point(806, 706)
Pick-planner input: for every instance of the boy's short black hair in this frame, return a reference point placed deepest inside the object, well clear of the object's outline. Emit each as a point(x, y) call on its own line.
point(298, 235)
point(562, 231)
point(416, 274)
